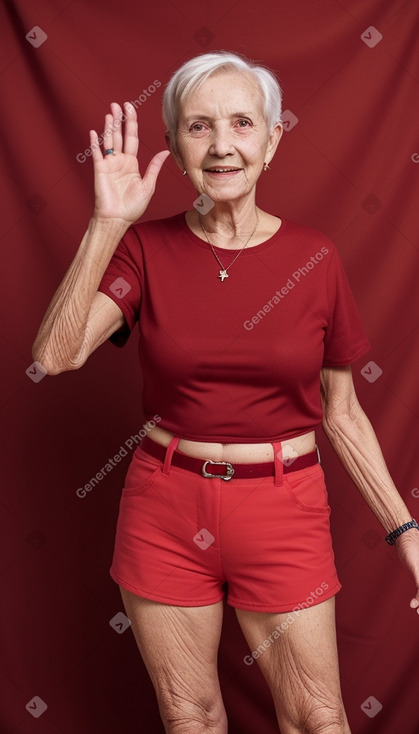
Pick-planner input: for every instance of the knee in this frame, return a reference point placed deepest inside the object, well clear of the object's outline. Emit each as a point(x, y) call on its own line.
point(204, 715)
point(324, 719)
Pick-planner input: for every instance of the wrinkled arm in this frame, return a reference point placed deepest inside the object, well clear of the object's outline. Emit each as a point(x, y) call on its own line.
point(353, 438)
point(79, 318)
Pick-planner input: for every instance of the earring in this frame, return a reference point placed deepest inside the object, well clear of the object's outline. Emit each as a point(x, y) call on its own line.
point(184, 173)
point(266, 167)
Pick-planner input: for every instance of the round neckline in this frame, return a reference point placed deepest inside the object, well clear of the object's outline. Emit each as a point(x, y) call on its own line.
point(247, 251)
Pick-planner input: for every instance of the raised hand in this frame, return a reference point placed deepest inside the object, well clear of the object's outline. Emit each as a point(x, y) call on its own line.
point(120, 191)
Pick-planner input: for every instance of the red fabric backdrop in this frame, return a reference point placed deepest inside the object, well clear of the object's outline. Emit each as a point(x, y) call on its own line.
point(348, 164)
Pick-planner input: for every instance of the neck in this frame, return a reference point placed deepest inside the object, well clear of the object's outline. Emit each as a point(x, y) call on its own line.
point(227, 225)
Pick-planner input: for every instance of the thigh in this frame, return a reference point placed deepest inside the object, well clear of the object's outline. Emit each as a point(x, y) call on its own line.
point(297, 654)
point(179, 647)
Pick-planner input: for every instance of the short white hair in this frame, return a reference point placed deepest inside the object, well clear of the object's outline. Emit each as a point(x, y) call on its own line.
point(197, 70)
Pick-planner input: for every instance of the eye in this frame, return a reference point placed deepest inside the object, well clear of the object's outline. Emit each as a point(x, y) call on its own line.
point(244, 123)
point(197, 127)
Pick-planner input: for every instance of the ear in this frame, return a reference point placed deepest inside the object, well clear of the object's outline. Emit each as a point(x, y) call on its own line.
point(173, 151)
point(273, 142)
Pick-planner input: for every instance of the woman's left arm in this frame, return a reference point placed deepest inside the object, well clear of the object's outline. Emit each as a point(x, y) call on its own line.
point(353, 438)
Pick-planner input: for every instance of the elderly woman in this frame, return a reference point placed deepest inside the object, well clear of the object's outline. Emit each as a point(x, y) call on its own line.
point(247, 331)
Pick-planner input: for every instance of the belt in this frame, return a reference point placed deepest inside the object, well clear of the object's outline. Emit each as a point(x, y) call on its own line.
point(225, 468)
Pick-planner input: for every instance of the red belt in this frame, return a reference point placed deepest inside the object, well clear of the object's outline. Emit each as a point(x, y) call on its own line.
point(224, 469)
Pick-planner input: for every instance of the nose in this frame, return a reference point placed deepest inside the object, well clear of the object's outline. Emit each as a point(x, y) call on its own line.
point(221, 141)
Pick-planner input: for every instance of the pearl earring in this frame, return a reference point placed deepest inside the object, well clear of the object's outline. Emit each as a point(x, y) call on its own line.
point(184, 173)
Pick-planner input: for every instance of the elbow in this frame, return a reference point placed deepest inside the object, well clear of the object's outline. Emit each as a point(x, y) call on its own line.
point(53, 363)
point(45, 364)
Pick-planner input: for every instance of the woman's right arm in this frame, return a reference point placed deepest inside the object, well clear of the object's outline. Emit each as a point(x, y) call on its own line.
point(79, 318)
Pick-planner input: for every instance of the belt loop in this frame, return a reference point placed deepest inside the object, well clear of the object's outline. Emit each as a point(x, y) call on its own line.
point(279, 467)
point(169, 453)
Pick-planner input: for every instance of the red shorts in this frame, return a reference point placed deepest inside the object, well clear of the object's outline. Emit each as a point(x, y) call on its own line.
point(184, 539)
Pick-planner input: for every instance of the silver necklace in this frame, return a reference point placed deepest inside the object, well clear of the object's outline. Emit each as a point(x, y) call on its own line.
point(223, 272)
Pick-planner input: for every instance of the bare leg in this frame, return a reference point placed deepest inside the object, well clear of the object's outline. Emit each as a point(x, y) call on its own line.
point(300, 665)
point(179, 647)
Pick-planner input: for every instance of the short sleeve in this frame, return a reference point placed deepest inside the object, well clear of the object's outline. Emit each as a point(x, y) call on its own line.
point(345, 338)
point(122, 281)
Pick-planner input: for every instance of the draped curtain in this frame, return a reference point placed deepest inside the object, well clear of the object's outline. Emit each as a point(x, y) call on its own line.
point(348, 164)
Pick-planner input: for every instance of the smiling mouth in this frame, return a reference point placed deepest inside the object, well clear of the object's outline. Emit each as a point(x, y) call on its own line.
point(220, 169)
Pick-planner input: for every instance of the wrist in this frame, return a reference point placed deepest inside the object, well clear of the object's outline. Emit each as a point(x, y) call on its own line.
point(99, 221)
point(410, 526)
point(101, 239)
point(395, 517)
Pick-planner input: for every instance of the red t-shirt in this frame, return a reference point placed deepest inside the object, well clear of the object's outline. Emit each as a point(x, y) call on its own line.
point(235, 361)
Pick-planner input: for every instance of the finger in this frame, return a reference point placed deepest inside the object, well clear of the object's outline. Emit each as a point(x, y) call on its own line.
point(108, 133)
point(116, 127)
point(153, 168)
point(131, 130)
point(95, 147)
point(414, 603)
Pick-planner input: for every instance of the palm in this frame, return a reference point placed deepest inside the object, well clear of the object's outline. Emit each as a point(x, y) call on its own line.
point(120, 191)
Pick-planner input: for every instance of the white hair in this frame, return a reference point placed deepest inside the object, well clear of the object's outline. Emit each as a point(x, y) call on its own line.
point(194, 72)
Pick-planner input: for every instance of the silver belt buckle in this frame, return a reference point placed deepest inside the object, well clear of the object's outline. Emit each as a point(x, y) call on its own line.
point(226, 477)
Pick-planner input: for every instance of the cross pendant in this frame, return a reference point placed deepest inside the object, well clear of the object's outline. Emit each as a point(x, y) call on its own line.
point(223, 275)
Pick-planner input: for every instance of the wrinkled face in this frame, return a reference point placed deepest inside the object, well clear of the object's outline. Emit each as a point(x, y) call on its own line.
point(223, 139)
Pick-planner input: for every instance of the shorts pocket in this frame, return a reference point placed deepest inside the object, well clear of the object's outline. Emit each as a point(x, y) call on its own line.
point(307, 489)
point(141, 475)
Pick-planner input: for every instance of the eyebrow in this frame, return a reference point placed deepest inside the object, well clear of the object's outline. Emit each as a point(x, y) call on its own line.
point(205, 117)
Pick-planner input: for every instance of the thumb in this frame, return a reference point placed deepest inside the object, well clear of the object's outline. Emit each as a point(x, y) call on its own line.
point(153, 168)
